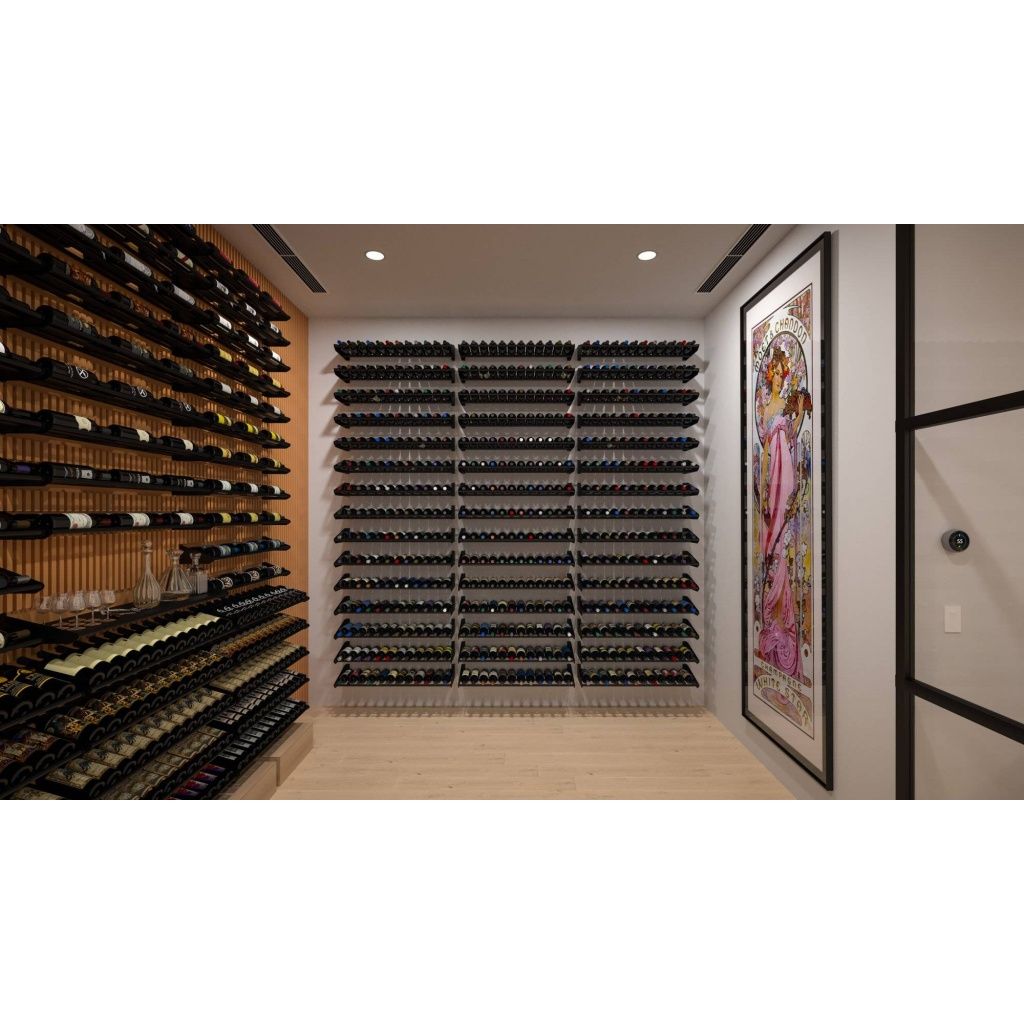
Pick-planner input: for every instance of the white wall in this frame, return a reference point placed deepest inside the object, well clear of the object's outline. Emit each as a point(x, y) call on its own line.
point(322, 430)
point(863, 523)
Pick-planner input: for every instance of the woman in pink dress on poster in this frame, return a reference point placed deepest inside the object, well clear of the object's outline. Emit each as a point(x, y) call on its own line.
point(780, 417)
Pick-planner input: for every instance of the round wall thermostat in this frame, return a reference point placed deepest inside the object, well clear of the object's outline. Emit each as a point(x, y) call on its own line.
point(956, 540)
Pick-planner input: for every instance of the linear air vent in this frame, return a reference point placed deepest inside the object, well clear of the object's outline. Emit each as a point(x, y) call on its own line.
point(276, 242)
point(304, 273)
point(740, 249)
point(284, 250)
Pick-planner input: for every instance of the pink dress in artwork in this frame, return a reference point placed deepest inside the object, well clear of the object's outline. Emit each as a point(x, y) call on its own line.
point(777, 643)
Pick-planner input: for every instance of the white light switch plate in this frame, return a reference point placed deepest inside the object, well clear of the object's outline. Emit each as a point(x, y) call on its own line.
point(953, 618)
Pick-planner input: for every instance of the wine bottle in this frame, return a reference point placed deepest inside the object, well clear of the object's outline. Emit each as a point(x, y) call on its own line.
point(62, 522)
point(67, 422)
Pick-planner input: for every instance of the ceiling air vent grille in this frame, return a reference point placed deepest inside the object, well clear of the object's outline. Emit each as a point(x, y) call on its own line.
point(284, 250)
point(740, 249)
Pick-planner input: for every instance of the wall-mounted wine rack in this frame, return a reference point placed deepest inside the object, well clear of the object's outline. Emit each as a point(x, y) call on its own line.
point(127, 352)
point(568, 455)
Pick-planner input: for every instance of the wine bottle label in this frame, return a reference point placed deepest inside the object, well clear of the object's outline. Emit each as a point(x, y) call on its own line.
point(84, 423)
point(274, 356)
point(226, 581)
point(136, 264)
point(224, 387)
point(69, 778)
point(189, 446)
point(93, 769)
point(3, 408)
point(223, 354)
point(139, 519)
point(251, 341)
point(252, 312)
point(183, 295)
point(84, 229)
point(224, 323)
point(79, 521)
point(187, 519)
point(225, 485)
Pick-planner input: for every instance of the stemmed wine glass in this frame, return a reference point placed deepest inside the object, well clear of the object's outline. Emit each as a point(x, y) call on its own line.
point(60, 606)
point(93, 600)
point(45, 604)
point(109, 600)
point(77, 604)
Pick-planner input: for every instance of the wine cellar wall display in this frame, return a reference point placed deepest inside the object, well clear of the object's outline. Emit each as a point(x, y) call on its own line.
point(148, 633)
point(516, 514)
point(786, 403)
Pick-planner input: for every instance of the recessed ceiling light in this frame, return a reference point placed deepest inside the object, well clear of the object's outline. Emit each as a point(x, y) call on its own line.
point(647, 254)
point(374, 254)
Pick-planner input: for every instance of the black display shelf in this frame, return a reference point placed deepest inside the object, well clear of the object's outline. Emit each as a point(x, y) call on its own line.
point(391, 630)
point(422, 583)
point(475, 653)
point(466, 512)
point(394, 490)
point(683, 582)
point(383, 420)
point(516, 490)
point(512, 374)
point(364, 657)
point(680, 654)
point(523, 444)
point(510, 397)
point(394, 349)
point(640, 537)
point(678, 558)
point(526, 419)
point(638, 396)
point(516, 630)
point(501, 466)
point(355, 466)
point(550, 677)
point(542, 537)
point(653, 631)
point(356, 396)
point(395, 443)
point(363, 372)
point(37, 531)
point(348, 558)
point(638, 466)
point(516, 350)
point(668, 512)
point(207, 559)
point(683, 444)
point(562, 606)
point(394, 513)
point(681, 676)
point(602, 607)
point(594, 372)
point(624, 419)
point(394, 677)
point(348, 606)
point(348, 536)
point(638, 349)
point(488, 583)
point(543, 561)
point(638, 490)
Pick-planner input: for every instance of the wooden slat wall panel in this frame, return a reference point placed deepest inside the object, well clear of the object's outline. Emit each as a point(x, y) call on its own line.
point(84, 561)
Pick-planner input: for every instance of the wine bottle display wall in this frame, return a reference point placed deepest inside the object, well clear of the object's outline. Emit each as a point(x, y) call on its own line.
point(569, 454)
point(143, 401)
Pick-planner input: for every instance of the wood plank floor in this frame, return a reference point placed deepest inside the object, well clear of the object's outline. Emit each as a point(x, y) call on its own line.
point(494, 755)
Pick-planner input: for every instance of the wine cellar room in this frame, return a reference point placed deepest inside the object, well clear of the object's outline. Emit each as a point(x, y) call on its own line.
point(507, 511)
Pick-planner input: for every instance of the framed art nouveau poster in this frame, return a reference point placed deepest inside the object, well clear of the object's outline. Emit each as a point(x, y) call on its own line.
point(787, 684)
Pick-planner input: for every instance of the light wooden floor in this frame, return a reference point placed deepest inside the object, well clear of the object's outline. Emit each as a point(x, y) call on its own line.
point(493, 755)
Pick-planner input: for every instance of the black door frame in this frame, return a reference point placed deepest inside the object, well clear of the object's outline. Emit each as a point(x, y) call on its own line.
point(909, 689)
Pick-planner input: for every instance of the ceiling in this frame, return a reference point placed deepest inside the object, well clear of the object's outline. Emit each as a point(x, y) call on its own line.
point(503, 270)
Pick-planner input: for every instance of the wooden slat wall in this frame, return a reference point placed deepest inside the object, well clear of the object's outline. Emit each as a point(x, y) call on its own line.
point(83, 561)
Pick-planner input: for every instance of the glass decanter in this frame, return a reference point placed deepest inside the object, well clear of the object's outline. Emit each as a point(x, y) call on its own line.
point(174, 584)
point(197, 578)
point(146, 593)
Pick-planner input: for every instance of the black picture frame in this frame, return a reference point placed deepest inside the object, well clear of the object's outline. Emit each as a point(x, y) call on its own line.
point(820, 249)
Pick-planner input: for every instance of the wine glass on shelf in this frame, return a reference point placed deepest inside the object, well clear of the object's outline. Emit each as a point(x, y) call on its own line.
point(109, 600)
point(77, 604)
point(44, 606)
point(60, 606)
point(93, 600)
